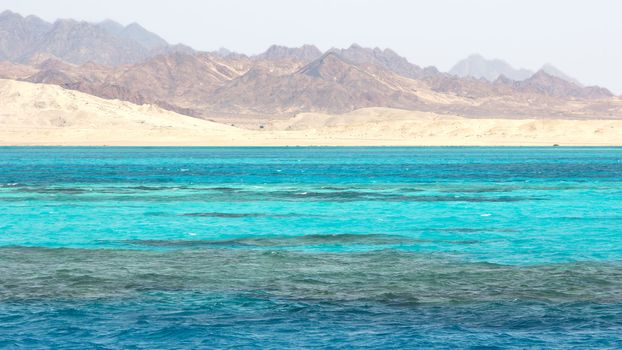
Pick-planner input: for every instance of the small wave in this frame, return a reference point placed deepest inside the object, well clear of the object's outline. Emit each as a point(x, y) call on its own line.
point(467, 229)
point(298, 241)
point(55, 190)
point(156, 213)
point(223, 189)
point(150, 188)
point(226, 215)
point(240, 215)
point(350, 196)
point(477, 190)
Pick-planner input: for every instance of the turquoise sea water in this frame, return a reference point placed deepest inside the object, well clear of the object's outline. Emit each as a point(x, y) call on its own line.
point(168, 248)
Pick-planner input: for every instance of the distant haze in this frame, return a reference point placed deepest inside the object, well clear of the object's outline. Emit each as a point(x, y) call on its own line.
point(579, 37)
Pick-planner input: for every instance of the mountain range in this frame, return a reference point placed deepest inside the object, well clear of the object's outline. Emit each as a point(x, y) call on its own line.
point(476, 66)
point(130, 63)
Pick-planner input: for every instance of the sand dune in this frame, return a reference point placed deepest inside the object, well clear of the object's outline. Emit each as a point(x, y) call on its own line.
point(40, 114)
point(420, 128)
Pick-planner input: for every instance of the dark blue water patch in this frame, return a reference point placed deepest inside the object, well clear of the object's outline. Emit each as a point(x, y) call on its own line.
point(257, 321)
point(304, 165)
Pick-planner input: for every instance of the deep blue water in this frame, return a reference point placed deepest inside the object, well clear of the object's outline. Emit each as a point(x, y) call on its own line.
point(169, 248)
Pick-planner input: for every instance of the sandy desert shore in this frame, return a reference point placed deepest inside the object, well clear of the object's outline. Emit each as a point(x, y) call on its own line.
point(40, 114)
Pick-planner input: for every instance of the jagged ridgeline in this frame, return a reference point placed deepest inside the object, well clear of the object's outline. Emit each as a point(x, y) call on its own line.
point(130, 63)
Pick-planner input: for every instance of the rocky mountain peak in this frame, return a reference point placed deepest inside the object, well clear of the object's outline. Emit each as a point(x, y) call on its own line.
point(476, 66)
point(328, 66)
point(387, 59)
point(544, 83)
point(304, 53)
point(9, 14)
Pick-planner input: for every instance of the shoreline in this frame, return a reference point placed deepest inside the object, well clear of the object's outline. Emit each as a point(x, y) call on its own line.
point(300, 146)
point(310, 145)
point(48, 115)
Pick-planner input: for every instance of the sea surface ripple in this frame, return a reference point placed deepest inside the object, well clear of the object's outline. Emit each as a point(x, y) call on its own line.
point(280, 248)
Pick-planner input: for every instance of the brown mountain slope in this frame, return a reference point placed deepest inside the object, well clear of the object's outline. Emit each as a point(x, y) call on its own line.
point(177, 81)
point(386, 58)
point(203, 84)
point(328, 84)
point(546, 84)
point(180, 78)
point(10, 70)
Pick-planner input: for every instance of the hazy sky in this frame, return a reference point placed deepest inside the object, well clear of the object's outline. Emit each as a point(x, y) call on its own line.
point(581, 37)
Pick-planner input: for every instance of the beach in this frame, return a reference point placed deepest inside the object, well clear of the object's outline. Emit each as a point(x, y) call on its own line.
point(40, 114)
